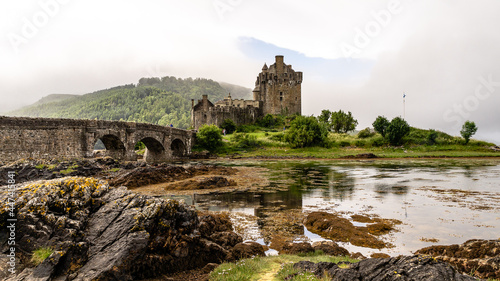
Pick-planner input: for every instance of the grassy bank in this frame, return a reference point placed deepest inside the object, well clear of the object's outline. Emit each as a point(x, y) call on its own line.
point(264, 142)
point(270, 268)
point(276, 268)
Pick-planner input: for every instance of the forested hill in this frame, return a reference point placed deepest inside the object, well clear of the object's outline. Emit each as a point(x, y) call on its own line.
point(162, 101)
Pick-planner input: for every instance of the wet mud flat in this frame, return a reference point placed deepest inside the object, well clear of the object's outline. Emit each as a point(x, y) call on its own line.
point(434, 201)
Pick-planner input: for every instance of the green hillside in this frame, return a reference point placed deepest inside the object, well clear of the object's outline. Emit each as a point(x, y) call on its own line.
point(162, 101)
point(54, 98)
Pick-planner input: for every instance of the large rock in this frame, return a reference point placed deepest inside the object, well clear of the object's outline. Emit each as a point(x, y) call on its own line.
point(102, 233)
point(296, 248)
point(330, 248)
point(480, 257)
point(245, 250)
point(398, 269)
point(340, 229)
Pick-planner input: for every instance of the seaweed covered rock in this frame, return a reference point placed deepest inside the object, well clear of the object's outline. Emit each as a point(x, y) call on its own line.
point(330, 248)
point(337, 228)
point(245, 250)
point(398, 269)
point(98, 232)
point(480, 257)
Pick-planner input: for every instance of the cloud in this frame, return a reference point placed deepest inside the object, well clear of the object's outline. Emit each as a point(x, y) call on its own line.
point(435, 51)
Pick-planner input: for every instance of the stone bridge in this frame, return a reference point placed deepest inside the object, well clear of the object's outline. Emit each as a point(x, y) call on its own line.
point(44, 138)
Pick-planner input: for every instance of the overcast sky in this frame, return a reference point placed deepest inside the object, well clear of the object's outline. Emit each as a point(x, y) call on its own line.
point(358, 56)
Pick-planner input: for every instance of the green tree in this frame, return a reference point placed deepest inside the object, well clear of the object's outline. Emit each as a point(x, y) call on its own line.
point(305, 131)
point(341, 122)
point(468, 129)
point(229, 125)
point(380, 125)
point(209, 137)
point(324, 117)
point(397, 129)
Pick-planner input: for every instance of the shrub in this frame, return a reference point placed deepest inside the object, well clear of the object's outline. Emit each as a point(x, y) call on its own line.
point(278, 137)
point(380, 125)
point(246, 129)
point(229, 125)
point(431, 137)
point(344, 143)
point(243, 140)
point(305, 131)
point(360, 143)
point(365, 133)
point(209, 137)
point(378, 141)
point(270, 121)
point(397, 129)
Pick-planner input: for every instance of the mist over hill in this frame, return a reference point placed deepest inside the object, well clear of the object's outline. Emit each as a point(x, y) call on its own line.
point(162, 101)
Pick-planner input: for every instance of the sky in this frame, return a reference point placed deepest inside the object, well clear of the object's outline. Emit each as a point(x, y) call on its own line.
point(359, 56)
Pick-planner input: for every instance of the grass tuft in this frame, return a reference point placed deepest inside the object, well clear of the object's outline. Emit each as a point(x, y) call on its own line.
point(40, 255)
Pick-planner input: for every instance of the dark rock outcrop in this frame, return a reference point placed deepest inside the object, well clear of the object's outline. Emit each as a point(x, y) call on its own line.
point(480, 257)
point(388, 269)
point(99, 232)
point(141, 176)
point(125, 173)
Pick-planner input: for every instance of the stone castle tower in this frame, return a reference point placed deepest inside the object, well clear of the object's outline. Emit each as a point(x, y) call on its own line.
point(279, 89)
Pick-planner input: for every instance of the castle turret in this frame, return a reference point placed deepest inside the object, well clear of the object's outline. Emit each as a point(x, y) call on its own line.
point(278, 87)
point(279, 64)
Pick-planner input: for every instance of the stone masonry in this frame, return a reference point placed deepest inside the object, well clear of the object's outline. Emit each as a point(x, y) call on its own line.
point(45, 138)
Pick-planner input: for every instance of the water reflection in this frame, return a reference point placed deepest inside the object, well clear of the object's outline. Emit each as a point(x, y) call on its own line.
point(450, 200)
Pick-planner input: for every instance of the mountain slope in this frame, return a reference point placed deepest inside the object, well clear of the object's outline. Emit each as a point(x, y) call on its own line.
point(162, 101)
point(54, 98)
point(237, 92)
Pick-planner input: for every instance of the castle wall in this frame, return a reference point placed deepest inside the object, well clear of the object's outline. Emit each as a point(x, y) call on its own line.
point(238, 103)
point(217, 114)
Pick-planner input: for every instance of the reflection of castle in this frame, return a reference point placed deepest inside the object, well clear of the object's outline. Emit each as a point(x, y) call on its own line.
point(277, 91)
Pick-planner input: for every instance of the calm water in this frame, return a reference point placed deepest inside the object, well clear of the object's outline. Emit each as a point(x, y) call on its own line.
point(448, 200)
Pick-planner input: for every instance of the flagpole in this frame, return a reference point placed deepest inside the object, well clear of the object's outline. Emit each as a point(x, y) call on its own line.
point(404, 105)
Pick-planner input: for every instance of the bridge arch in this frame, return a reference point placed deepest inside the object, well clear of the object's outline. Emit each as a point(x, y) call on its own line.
point(114, 146)
point(155, 151)
point(178, 148)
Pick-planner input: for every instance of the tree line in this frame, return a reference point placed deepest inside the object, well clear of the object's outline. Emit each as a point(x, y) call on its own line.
point(305, 131)
point(161, 101)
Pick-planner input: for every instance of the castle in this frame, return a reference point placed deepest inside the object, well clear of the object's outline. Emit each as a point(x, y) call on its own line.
point(277, 91)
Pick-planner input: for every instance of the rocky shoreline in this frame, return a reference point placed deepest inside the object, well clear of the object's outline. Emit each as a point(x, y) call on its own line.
point(99, 232)
point(99, 229)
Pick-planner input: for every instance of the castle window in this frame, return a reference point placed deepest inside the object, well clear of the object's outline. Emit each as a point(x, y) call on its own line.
point(281, 98)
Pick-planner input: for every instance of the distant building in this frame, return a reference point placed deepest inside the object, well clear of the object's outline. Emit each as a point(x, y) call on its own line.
point(277, 91)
